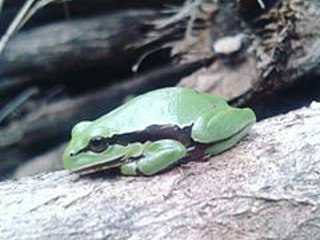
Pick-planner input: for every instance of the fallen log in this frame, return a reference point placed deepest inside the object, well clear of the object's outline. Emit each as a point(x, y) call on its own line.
point(267, 187)
point(49, 53)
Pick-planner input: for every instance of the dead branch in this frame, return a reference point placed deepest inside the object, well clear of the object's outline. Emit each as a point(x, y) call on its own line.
point(46, 54)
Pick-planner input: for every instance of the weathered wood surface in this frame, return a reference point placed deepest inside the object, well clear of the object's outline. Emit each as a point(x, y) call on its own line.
point(267, 187)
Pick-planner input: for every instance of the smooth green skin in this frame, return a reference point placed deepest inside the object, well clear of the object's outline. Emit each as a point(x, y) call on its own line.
point(213, 122)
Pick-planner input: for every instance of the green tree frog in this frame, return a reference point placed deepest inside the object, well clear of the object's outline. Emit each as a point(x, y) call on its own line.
point(156, 130)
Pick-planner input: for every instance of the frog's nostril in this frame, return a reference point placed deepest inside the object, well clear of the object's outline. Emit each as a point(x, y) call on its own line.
point(72, 154)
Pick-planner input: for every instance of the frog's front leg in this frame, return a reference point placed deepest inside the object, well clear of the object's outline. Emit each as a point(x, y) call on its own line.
point(223, 128)
point(157, 156)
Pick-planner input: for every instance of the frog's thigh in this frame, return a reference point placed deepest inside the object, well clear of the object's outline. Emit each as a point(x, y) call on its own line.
point(221, 124)
point(158, 156)
point(226, 144)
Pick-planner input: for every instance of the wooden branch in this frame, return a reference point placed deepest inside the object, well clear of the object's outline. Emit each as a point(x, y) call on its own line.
point(267, 187)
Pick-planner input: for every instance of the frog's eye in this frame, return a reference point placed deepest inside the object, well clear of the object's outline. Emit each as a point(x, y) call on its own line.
point(98, 144)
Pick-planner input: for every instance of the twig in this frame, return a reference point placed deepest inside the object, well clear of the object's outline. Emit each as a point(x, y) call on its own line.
point(36, 7)
point(15, 103)
point(13, 27)
point(261, 3)
point(26, 12)
point(1, 5)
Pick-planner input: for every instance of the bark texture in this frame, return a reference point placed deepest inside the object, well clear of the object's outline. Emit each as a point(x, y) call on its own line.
point(280, 49)
point(267, 187)
point(51, 52)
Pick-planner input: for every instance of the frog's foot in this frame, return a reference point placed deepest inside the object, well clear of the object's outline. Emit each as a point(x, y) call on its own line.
point(222, 124)
point(221, 146)
point(158, 156)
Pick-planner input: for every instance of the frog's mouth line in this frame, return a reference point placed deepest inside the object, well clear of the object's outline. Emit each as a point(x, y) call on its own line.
point(103, 166)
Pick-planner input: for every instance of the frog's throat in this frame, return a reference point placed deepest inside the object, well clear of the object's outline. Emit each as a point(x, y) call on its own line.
point(103, 166)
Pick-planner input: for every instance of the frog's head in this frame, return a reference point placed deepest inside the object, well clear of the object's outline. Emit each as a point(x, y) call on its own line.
point(90, 148)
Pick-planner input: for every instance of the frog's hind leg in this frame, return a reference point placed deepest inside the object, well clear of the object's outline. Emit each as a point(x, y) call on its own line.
point(158, 156)
point(223, 126)
point(221, 146)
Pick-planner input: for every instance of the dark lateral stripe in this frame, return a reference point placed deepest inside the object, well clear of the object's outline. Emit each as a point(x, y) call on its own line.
point(151, 133)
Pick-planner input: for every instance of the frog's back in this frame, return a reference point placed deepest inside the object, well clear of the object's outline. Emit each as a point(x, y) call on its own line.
point(174, 105)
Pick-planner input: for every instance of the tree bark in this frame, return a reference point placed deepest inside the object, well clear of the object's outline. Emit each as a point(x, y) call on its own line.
point(267, 187)
point(281, 48)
